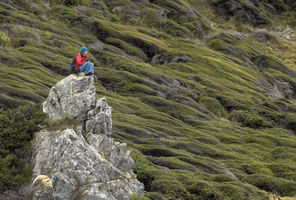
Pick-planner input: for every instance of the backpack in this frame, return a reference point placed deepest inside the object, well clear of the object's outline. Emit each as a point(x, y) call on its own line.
point(72, 67)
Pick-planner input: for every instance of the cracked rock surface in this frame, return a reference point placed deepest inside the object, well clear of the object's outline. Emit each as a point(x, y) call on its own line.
point(85, 163)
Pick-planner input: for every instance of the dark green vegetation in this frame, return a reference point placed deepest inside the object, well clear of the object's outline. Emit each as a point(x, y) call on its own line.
point(209, 112)
point(17, 128)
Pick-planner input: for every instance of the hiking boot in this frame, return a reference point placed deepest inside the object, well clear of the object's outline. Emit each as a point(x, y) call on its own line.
point(89, 74)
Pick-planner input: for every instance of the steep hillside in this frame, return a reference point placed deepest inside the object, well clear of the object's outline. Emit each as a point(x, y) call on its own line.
point(203, 91)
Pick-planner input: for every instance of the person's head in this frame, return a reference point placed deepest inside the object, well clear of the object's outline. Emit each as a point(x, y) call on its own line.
point(83, 51)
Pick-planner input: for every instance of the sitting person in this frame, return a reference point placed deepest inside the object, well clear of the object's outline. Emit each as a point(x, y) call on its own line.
point(79, 63)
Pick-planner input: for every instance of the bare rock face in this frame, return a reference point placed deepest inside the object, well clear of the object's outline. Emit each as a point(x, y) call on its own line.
point(72, 97)
point(99, 118)
point(83, 163)
point(75, 97)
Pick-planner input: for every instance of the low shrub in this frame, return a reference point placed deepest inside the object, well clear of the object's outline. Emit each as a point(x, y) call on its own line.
point(17, 128)
point(61, 124)
point(249, 118)
point(68, 2)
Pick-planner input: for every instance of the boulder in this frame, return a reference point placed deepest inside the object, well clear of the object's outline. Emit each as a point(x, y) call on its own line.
point(96, 47)
point(183, 58)
point(263, 36)
point(71, 97)
point(159, 59)
point(75, 97)
point(80, 168)
point(82, 162)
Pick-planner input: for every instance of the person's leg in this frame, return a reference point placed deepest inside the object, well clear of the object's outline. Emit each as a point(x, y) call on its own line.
point(83, 68)
point(91, 68)
point(87, 68)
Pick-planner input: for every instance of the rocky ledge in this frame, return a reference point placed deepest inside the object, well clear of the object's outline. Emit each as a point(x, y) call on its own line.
point(83, 163)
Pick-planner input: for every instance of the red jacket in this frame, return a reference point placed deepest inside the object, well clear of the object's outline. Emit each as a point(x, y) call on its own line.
point(80, 60)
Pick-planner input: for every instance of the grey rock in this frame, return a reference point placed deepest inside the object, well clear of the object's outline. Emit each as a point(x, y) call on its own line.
point(159, 59)
point(72, 97)
point(99, 119)
point(101, 169)
point(289, 34)
point(99, 5)
point(75, 97)
point(183, 58)
point(281, 89)
point(81, 9)
point(128, 11)
point(96, 47)
point(83, 163)
point(121, 158)
point(263, 36)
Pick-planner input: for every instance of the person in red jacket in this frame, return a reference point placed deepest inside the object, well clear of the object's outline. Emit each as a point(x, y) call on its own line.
point(81, 64)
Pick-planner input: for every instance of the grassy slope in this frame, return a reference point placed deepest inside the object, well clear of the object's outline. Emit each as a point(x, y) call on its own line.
point(202, 129)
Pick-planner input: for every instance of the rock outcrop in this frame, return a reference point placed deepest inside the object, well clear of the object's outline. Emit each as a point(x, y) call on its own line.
point(71, 97)
point(82, 163)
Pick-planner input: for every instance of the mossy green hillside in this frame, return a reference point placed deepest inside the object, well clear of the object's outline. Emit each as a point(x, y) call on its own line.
point(218, 124)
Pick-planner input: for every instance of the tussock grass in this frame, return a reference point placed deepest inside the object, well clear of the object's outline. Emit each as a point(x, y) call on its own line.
point(204, 129)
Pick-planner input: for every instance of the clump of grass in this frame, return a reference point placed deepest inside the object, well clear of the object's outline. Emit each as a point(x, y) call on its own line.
point(279, 186)
point(128, 48)
point(4, 39)
point(214, 106)
point(69, 2)
point(250, 119)
point(61, 124)
point(136, 197)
